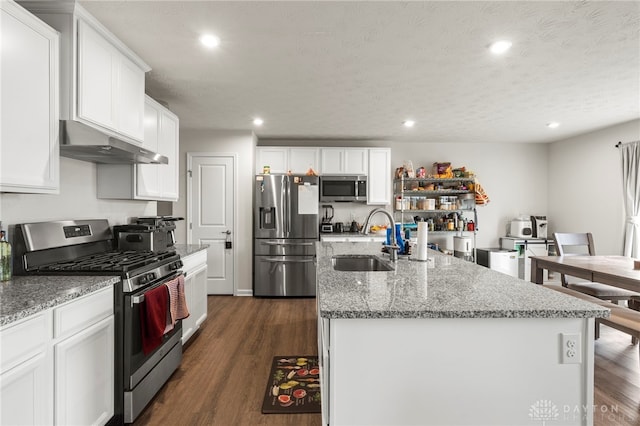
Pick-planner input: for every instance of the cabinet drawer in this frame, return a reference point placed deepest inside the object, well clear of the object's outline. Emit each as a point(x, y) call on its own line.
point(80, 313)
point(23, 340)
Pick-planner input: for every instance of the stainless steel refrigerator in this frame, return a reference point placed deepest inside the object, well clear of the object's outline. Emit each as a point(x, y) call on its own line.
point(285, 232)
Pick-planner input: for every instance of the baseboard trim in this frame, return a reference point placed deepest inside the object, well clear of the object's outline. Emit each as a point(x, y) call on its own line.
point(244, 292)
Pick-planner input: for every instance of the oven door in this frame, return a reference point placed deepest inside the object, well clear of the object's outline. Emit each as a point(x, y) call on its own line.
point(145, 374)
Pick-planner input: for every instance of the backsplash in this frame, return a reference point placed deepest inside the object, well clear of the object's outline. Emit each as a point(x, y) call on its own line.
point(77, 200)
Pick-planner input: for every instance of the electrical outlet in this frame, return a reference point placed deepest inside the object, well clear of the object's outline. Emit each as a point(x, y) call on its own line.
point(571, 348)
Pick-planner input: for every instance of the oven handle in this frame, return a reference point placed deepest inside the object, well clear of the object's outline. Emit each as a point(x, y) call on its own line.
point(136, 300)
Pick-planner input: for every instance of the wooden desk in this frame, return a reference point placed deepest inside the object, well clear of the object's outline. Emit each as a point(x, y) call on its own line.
point(612, 270)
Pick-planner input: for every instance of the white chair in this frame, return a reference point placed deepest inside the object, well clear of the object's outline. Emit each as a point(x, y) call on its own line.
point(582, 244)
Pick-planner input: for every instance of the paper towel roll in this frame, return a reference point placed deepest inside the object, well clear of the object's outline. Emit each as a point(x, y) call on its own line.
point(421, 246)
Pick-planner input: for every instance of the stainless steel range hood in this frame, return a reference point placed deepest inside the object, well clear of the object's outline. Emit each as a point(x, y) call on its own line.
point(83, 142)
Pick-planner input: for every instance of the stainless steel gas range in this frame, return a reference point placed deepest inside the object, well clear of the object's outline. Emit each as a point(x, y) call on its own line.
point(87, 247)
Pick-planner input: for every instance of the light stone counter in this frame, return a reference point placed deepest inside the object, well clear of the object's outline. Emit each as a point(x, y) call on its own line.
point(185, 250)
point(442, 287)
point(23, 296)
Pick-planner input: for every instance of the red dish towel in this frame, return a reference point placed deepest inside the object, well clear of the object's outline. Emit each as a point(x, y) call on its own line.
point(153, 318)
point(177, 300)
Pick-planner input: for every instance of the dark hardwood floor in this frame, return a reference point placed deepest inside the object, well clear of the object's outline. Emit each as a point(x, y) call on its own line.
point(224, 370)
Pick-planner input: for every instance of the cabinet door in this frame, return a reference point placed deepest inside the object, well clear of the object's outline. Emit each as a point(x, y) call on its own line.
point(29, 152)
point(200, 295)
point(189, 323)
point(147, 175)
point(302, 159)
point(274, 157)
point(332, 161)
point(379, 177)
point(27, 393)
point(130, 100)
point(355, 161)
point(84, 376)
point(97, 77)
point(168, 146)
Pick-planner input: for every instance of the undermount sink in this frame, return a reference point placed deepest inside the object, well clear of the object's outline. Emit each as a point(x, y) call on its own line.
point(359, 262)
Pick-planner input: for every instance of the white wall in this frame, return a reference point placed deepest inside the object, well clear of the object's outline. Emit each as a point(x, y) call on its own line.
point(513, 175)
point(585, 185)
point(77, 200)
point(241, 143)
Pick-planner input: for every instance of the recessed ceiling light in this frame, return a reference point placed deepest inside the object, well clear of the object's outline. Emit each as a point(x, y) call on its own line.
point(408, 123)
point(553, 125)
point(210, 41)
point(499, 47)
point(258, 121)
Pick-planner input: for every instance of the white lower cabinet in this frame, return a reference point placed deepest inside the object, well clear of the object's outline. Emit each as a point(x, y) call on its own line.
point(84, 376)
point(64, 376)
point(195, 283)
point(26, 372)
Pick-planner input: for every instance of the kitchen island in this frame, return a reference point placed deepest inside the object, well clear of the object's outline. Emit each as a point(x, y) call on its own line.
point(448, 342)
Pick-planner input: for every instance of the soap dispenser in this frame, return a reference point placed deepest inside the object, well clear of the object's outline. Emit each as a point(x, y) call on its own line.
point(5, 257)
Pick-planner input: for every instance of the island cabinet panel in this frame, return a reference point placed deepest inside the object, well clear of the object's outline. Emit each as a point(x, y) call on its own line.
point(456, 371)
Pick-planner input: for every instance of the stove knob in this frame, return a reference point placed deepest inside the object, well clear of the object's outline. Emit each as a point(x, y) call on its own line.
point(143, 280)
point(151, 276)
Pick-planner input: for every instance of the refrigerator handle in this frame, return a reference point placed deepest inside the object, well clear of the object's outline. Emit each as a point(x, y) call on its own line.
point(289, 260)
point(288, 206)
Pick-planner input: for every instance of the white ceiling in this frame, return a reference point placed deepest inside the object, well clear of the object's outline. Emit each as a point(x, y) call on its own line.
point(358, 69)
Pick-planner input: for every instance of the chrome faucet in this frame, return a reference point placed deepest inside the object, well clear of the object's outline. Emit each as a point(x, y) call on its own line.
point(393, 247)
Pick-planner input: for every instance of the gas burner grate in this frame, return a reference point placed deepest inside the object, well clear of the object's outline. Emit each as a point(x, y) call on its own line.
point(118, 261)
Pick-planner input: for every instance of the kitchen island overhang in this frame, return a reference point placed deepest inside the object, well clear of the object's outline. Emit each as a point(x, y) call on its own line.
point(449, 342)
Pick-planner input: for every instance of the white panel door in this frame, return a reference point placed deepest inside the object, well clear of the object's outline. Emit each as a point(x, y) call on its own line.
point(210, 216)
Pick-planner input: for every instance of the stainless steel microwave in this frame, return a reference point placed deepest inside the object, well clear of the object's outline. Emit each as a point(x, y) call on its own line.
point(343, 188)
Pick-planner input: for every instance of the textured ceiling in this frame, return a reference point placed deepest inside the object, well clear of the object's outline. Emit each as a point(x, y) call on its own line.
point(358, 69)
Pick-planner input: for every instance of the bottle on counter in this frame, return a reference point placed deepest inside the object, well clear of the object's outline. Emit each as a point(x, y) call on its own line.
point(5, 258)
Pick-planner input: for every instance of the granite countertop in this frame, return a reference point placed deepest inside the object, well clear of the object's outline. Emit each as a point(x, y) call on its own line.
point(442, 287)
point(186, 249)
point(23, 296)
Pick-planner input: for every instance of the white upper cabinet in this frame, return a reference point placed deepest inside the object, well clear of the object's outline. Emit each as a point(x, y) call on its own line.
point(344, 161)
point(147, 181)
point(168, 146)
point(101, 79)
point(29, 141)
point(379, 176)
point(274, 157)
point(97, 77)
point(281, 159)
point(303, 159)
point(131, 99)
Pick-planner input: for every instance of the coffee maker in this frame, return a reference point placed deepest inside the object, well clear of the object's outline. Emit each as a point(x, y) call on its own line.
point(539, 225)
